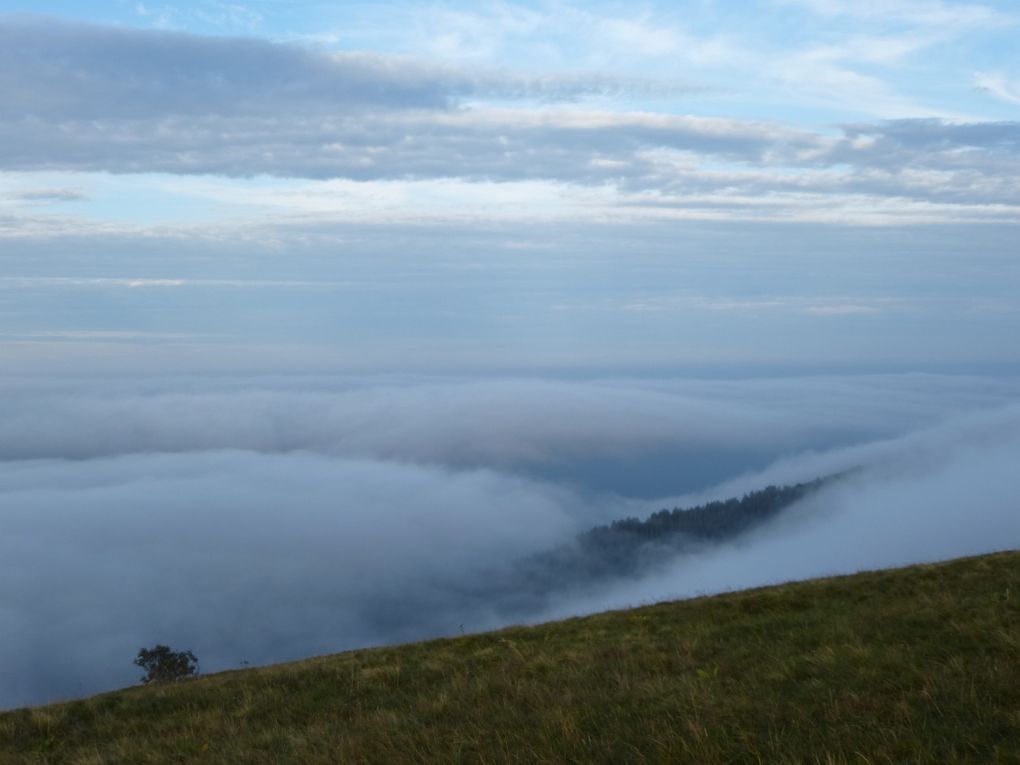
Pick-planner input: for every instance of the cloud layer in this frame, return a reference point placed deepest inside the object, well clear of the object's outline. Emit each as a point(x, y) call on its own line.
point(80, 97)
point(269, 522)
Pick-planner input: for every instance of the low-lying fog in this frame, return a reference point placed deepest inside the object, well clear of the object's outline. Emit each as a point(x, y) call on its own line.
point(272, 519)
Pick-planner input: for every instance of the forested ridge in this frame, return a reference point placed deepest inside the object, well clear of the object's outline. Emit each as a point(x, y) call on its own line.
point(631, 546)
point(717, 520)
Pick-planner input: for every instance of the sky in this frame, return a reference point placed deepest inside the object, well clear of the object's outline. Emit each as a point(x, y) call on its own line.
point(316, 318)
point(554, 186)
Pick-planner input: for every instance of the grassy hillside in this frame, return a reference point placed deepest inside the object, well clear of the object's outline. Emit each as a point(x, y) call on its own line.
point(914, 665)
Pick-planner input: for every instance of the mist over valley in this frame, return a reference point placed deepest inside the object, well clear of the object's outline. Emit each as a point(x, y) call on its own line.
point(265, 520)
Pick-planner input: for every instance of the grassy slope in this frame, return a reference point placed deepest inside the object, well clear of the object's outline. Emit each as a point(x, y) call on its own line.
point(912, 665)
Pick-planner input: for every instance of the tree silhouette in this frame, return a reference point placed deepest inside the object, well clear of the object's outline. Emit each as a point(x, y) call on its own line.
point(162, 665)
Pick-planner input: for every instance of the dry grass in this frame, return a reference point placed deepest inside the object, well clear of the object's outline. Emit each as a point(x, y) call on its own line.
point(918, 665)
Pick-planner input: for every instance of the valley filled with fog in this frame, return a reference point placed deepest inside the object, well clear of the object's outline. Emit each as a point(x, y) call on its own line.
point(257, 520)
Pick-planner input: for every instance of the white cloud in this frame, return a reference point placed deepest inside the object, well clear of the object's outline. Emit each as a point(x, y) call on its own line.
point(874, 53)
point(999, 86)
point(923, 13)
point(641, 37)
point(557, 36)
point(830, 75)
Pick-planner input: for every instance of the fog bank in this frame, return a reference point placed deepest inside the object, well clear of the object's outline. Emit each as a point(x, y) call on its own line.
point(272, 519)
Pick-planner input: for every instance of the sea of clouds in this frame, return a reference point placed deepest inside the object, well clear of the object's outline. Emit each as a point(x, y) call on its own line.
point(266, 519)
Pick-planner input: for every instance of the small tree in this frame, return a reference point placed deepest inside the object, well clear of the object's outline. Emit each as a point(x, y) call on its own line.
point(162, 665)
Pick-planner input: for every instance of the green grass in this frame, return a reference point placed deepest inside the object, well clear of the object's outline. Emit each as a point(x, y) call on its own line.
point(917, 665)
